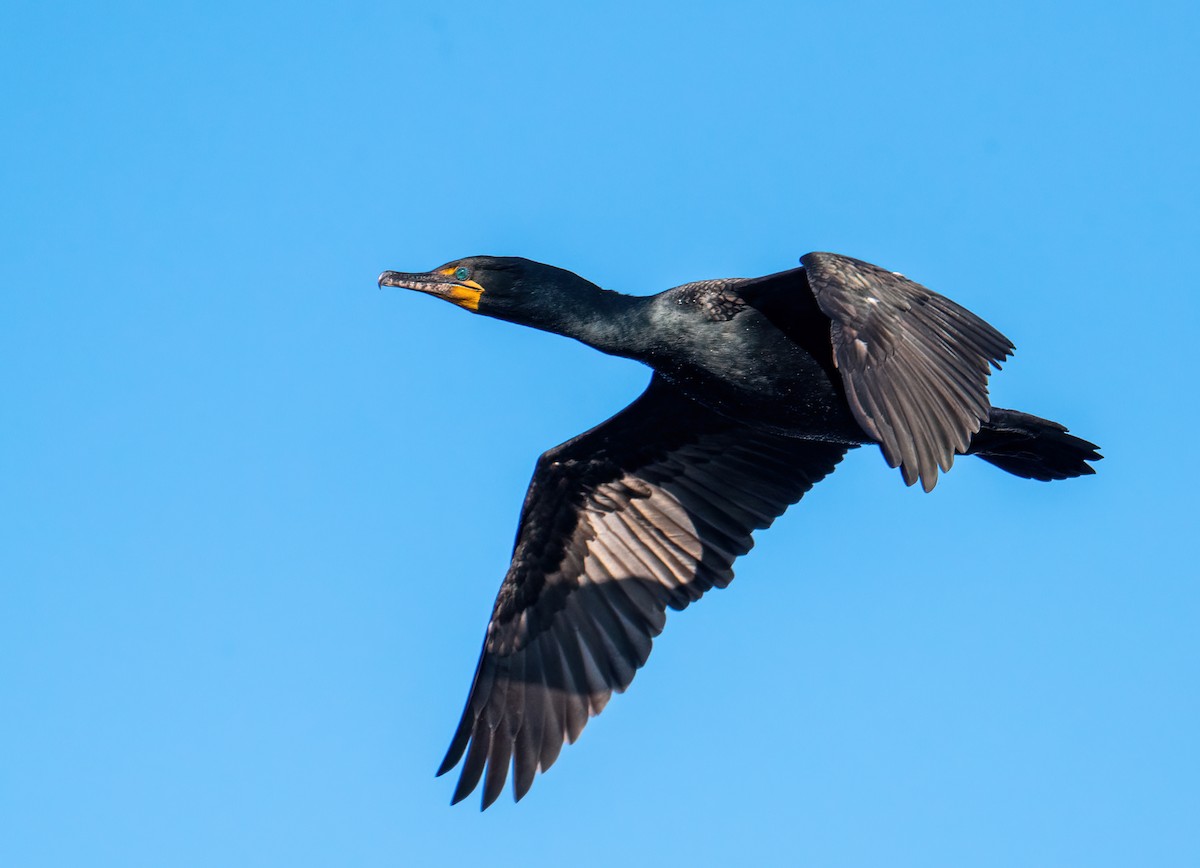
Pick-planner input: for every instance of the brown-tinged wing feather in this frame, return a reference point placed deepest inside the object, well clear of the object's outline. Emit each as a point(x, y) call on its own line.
point(644, 512)
point(915, 364)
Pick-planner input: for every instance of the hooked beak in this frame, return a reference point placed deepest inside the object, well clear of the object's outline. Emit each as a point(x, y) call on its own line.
point(464, 293)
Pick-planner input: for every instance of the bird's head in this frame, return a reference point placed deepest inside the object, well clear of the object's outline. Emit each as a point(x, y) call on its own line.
point(506, 287)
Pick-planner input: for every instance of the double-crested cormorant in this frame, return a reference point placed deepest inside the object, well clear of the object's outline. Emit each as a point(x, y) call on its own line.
point(760, 386)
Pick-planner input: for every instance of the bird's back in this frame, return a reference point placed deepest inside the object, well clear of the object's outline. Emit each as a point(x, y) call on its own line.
point(755, 349)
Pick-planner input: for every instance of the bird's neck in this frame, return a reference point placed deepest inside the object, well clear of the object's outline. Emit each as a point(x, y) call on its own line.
point(611, 322)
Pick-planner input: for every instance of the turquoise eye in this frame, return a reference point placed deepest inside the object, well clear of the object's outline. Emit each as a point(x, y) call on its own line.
point(462, 273)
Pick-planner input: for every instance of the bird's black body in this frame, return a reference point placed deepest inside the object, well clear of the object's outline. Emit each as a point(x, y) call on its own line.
point(754, 353)
point(760, 387)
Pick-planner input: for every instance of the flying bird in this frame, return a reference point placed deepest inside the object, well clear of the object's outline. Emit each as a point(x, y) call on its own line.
point(760, 386)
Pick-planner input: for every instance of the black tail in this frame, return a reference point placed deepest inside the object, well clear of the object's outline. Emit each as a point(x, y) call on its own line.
point(1034, 448)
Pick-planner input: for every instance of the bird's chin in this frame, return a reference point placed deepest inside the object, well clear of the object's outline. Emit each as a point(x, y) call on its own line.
point(465, 295)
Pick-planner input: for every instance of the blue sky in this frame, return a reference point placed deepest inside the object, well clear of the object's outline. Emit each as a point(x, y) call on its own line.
point(254, 511)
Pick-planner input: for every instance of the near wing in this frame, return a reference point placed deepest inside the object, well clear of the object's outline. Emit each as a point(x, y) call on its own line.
point(915, 364)
point(645, 511)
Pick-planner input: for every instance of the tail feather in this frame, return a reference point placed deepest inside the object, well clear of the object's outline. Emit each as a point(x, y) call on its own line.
point(1032, 447)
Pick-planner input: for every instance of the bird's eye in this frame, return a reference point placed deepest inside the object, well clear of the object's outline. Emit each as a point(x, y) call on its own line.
point(462, 273)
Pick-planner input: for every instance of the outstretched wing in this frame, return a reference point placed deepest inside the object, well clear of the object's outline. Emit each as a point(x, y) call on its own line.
point(915, 364)
point(644, 512)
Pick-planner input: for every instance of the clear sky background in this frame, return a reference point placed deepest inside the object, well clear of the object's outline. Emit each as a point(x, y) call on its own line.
point(255, 511)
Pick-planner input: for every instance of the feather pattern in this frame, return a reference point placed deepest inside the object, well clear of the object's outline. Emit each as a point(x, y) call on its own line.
point(914, 364)
point(642, 513)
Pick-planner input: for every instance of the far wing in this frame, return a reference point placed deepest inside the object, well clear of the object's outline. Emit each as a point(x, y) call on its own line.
point(644, 512)
point(915, 364)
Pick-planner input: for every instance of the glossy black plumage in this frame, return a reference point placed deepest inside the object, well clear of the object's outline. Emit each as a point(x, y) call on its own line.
point(760, 387)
